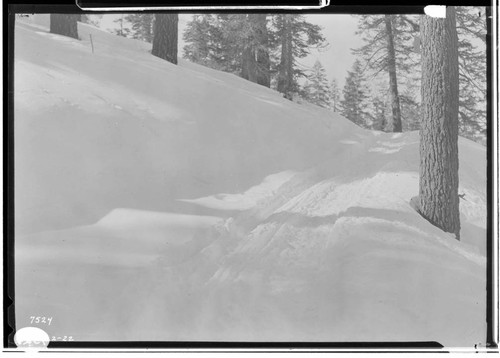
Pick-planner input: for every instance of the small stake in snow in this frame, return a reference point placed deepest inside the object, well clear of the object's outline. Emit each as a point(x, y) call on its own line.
point(91, 43)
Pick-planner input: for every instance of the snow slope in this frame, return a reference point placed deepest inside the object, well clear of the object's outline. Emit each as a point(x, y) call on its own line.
point(162, 202)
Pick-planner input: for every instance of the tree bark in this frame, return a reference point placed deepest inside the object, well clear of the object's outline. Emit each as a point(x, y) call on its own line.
point(438, 192)
point(249, 64)
point(262, 52)
point(165, 37)
point(396, 125)
point(64, 24)
point(285, 76)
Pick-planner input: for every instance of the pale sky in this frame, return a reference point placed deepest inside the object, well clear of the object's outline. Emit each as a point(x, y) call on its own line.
point(338, 30)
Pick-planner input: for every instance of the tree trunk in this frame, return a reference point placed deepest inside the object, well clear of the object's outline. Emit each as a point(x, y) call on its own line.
point(393, 83)
point(64, 24)
point(249, 64)
point(263, 62)
point(165, 37)
point(285, 76)
point(438, 193)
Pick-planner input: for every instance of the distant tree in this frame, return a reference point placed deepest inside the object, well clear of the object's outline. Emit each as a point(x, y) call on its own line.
point(471, 29)
point(244, 44)
point(256, 65)
point(356, 94)
point(410, 109)
point(295, 37)
point(203, 40)
point(165, 36)
point(389, 48)
point(318, 90)
point(64, 24)
point(141, 26)
point(334, 96)
point(304, 91)
point(379, 117)
point(438, 194)
point(236, 43)
point(123, 29)
point(94, 20)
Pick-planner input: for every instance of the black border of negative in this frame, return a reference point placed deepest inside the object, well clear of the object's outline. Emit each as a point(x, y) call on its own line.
point(11, 7)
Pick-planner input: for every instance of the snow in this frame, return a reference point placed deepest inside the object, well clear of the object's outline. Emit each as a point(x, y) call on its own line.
point(162, 202)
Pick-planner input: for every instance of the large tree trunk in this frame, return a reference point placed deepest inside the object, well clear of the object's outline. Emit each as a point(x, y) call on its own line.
point(165, 37)
point(64, 24)
point(438, 193)
point(285, 76)
point(393, 83)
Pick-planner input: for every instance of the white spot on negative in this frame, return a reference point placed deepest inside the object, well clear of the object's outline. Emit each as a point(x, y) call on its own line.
point(31, 338)
point(435, 11)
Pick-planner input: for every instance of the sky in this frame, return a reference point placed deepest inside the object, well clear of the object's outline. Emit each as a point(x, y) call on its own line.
point(338, 29)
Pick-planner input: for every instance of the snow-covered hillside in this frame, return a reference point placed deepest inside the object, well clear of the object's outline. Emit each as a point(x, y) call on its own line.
point(163, 202)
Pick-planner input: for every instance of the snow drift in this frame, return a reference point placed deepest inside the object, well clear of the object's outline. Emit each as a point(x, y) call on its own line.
point(162, 202)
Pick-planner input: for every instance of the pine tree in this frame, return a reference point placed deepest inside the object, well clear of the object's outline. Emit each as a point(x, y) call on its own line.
point(334, 96)
point(438, 194)
point(242, 43)
point(236, 43)
point(141, 26)
point(123, 29)
point(318, 91)
point(471, 29)
point(200, 37)
point(295, 37)
point(64, 24)
point(379, 117)
point(355, 95)
point(255, 53)
point(388, 49)
point(410, 109)
point(165, 36)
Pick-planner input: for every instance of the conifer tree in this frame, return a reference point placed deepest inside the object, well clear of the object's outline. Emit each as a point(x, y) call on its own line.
point(334, 96)
point(471, 30)
point(438, 199)
point(256, 65)
point(141, 26)
point(388, 49)
point(123, 29)
point(242, 43)
point(379, 117)
point(202, 39)
point(246, 41)
point(318, 90)
point(295, 38)
point(410, 109)
point(355, 96)
point(237, 43)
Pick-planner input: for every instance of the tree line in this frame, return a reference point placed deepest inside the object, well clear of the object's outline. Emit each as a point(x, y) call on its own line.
point(381, 91)
point(391, 58)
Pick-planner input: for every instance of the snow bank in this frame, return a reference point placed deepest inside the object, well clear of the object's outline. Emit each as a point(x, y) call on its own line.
point(162, 202)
